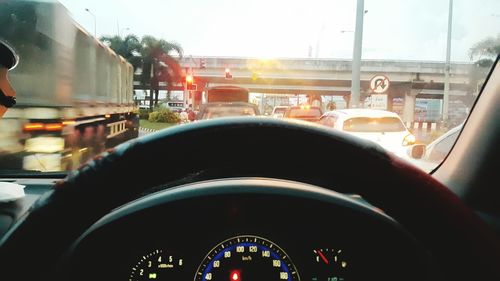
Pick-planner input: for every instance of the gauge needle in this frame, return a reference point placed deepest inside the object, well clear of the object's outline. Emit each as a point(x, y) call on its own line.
point(322, 256)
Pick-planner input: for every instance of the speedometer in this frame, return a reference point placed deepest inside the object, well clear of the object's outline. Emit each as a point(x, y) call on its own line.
point(245, 258)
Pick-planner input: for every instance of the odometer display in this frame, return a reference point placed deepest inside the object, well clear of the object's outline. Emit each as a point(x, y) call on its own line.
point(245, 258)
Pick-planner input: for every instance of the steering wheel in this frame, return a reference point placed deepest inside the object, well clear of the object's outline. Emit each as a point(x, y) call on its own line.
point(462, 245)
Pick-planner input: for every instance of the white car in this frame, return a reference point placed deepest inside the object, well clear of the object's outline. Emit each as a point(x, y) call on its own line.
point(383, 127)
point(428, 157)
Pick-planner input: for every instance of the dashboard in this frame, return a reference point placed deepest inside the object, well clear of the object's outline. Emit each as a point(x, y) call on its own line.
point(247, 230)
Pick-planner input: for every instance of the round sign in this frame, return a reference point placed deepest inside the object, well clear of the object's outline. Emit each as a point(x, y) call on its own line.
point(379, 84)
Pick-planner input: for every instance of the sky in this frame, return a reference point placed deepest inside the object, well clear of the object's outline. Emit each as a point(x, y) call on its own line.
point(393, 29)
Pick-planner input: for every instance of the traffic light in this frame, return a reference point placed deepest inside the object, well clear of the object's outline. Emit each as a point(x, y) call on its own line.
point(202, 64)
point(189, 83)
point(228, 74)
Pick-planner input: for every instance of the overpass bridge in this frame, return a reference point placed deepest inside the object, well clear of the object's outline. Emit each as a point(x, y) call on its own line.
point(327, 77)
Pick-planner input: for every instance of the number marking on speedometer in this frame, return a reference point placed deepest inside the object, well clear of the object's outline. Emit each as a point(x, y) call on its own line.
point(246, 257)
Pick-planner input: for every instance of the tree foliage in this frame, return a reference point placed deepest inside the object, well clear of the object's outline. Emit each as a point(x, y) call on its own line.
point(485, 51)
point(159, 64)
point(164, 115)
point(157, 59)
point(128, 47)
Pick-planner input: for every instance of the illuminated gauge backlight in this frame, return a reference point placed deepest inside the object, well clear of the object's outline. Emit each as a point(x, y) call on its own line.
point(246, 257)
point(157, 265)
point(330, 265)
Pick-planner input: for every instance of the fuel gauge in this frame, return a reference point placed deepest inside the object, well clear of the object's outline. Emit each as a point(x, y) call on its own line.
point(330, 265)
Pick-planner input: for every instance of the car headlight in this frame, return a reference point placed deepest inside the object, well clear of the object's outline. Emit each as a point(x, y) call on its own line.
point(409, 140)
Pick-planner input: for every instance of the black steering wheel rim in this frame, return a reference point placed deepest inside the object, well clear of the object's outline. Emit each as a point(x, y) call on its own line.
point(245, 147)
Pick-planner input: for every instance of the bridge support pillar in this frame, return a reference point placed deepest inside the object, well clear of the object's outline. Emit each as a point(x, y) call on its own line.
point(347, 99)
point(315, 100)
point(409, 105)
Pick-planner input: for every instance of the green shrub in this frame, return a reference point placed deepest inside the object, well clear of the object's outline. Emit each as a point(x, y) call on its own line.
point(144, 113)
point(164, 116)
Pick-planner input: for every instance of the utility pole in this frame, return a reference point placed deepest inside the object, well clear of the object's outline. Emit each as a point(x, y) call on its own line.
point(446, 94)
point(356, 57)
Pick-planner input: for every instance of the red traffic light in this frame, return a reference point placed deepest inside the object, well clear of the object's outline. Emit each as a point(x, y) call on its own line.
point(189, 83)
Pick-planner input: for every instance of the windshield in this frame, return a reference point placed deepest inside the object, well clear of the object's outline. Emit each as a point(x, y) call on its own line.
point(374, 125)
point(94, 74)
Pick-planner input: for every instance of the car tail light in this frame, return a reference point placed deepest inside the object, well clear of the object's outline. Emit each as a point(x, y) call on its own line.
point(409, 140)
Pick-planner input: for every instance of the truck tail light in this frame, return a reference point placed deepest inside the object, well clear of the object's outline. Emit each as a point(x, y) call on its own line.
point(50, 127)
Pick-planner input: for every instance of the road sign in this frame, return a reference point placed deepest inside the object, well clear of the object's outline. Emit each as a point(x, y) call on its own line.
point(378, 101)
point(379, 84)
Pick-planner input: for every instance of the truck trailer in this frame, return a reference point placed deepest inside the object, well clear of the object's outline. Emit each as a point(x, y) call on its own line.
point(74, 94)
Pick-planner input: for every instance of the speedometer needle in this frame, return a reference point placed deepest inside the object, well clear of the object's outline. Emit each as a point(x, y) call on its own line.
point(322, 256)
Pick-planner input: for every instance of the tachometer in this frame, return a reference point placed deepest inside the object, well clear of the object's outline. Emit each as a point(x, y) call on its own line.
point(244, 258)
point(157, 265)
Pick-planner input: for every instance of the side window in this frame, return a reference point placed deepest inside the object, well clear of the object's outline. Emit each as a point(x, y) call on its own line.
point(442, 148)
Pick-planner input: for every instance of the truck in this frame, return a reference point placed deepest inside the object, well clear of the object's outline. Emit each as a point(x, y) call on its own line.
point(74, 94)
point(227, 93)
point(225, 101)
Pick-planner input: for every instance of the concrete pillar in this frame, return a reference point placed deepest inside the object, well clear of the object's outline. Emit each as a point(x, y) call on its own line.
point(409, 105)
point(315, 100)
point(347, 99)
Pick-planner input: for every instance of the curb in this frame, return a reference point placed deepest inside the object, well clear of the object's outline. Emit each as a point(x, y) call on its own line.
point(420, 125)
point(147, 130)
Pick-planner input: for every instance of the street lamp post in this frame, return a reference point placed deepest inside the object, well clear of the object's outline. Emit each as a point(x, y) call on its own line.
point(446, 94)
point(356, 57)
point(95, 22)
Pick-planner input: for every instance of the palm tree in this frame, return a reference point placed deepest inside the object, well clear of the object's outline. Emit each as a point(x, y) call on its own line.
point(128, 47)
point(158, 64)
point(149, 54)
